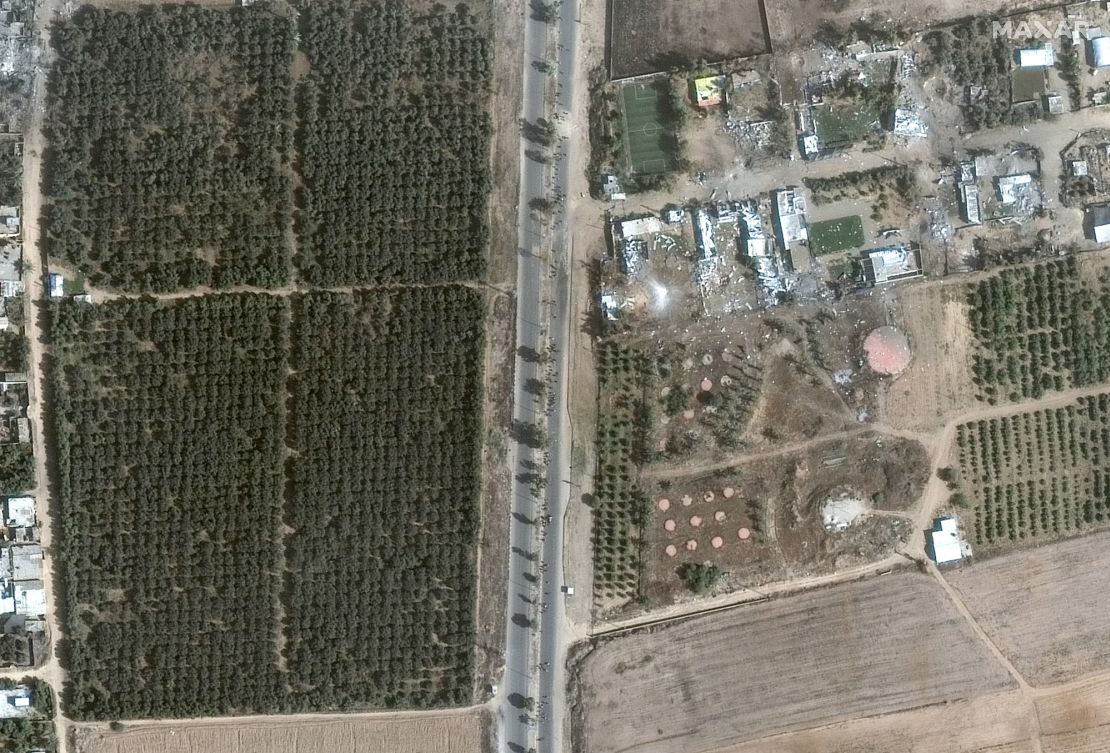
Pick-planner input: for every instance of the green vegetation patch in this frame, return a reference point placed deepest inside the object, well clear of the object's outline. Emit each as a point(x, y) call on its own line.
point(385, 422)
point(893, 179)
point(1036, 476)
point(830, 236)
point(171, 444)
point(1029, 85)
point(843, 124)
point(977, 60)
point(649, 142)
point(1038, 329)
point(35, 731)
point(394, 142)
point(170, 162)
point(17, 468)
point(623, 421)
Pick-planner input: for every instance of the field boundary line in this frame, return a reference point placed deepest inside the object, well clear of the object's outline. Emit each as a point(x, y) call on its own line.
point(782, 589)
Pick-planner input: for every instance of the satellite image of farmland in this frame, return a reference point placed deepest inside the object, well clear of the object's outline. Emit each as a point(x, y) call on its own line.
point(554, 376)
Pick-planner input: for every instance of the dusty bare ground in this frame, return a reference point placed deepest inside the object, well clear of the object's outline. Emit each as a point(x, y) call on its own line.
point(792, 23)
point(1045, 608)
point(1084, 707)
point(997, 723)
point(648, 36)
point(818, 658)
point(460, 732)
point(494, 540)
point(505, 23)
point(938, 383)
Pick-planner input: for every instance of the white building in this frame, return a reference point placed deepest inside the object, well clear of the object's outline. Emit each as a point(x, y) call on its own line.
point(1037, 57)
point(790, 218)
point(1098, 217)
point(1100, 52)
point(890, 264)
point(30, 598)
point(944, 541)
point(15, 702)
point(969, 192)
point(1009, 186)
point(641, 226)
point(20, 512)
point(26, 562)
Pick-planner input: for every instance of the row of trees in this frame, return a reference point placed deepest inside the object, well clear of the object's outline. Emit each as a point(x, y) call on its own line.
point(621, 443)
point(1039, 328)
point(385, 424)
point(394, 143)
point(896, 180)
point(1037, 475)
point(170, 147)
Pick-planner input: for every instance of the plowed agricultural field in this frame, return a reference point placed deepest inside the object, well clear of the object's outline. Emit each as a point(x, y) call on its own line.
point(997, 723)
point(454, 733)
point(1045, 608)
point(865, 648)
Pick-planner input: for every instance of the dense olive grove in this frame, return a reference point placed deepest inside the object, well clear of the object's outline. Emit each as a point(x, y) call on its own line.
point(394, 144)
point(170, 147)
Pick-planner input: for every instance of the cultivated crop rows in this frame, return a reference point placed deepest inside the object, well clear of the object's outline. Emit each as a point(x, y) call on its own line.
point(175, 162)
point(620, 503)
point(1039, 328)
point(172, 445)
point(1038, 475)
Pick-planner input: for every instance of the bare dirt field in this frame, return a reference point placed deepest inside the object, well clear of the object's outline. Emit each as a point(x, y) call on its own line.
point(1045, 608)
point(648, 36)
point(762, 520)
point(865, 648)
point(937, 385)
point(450, 733)
point(996, 723)
point(792, 23)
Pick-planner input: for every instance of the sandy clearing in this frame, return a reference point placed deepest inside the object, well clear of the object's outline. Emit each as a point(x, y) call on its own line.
point(1044, 608)
point(865, 648)
point(460, 733)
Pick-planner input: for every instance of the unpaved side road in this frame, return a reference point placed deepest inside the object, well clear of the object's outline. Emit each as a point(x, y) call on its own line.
point(34, 254)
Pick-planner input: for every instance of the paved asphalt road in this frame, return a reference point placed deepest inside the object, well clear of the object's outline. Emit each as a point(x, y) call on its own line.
point(531, 697)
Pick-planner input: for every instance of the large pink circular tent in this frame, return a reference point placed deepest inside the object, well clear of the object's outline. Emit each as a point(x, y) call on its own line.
point(888, 351)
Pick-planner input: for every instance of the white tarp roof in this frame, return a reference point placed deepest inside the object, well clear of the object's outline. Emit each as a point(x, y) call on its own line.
point(946, 541)
point(1038, 57)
